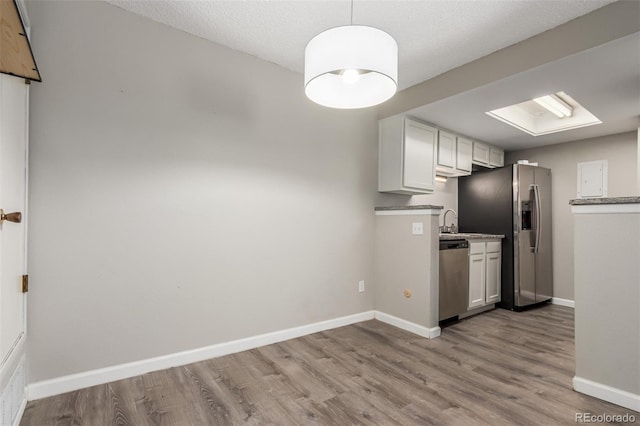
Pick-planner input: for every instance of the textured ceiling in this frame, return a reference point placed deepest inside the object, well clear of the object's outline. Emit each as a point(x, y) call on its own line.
point(433, 36)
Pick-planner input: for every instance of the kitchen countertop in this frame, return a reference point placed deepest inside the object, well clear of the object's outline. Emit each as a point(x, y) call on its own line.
point(470, 236)
point(418, 207)
point(612, 200)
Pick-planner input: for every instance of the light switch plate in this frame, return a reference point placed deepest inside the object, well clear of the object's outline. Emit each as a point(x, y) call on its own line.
point(417, 228)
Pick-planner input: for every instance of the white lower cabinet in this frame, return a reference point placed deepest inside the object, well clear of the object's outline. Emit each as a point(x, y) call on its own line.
point(477, 280)
point(485, 262)
point(492, 294)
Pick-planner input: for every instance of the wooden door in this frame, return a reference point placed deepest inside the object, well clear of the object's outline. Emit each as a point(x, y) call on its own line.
point(13, 151)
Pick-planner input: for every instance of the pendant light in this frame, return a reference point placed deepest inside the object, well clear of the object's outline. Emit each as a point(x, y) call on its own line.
point(352, 66)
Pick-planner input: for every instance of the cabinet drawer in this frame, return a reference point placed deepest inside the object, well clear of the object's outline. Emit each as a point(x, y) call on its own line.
point(494, 246)
point(476, 248)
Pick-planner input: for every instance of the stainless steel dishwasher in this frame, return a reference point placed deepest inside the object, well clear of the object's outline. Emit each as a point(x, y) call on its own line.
point(454, 278)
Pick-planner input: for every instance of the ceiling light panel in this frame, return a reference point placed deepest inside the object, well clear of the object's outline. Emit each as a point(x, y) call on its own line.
point(555, 105)
point(560, 113)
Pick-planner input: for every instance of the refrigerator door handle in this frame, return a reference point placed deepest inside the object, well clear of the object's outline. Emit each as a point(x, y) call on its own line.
point(536, 193)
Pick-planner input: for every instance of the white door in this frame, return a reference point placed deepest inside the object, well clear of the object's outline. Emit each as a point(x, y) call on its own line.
point(13, 151)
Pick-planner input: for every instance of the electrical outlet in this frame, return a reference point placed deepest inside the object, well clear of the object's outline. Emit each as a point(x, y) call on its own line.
point(417, 228)
point(361, 286)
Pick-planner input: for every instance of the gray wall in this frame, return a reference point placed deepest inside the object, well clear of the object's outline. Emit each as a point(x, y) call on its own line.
point(183, 194)
point(620, 152)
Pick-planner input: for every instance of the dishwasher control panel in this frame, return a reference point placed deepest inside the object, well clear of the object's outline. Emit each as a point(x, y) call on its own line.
point(453, 244)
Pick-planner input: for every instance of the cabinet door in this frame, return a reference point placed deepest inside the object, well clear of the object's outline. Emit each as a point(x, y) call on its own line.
point(496, 157)
point(477, 277)
point(463, 155)
point(446, 149)
point(419, 155)
point(480, 153)
point(493, 278)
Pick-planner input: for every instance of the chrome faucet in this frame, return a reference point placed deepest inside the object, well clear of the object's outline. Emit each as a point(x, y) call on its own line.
point(452, 229)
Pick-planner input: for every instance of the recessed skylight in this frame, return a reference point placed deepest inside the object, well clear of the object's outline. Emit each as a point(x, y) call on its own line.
point(552, 113)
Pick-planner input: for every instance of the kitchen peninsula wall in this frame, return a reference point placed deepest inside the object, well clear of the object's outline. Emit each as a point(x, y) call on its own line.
point(607, 317)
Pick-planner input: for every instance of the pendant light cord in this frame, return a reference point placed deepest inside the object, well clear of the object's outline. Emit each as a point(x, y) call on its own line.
point(351, 12)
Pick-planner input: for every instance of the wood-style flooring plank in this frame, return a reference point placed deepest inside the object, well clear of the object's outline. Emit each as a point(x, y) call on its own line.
point(496, 368)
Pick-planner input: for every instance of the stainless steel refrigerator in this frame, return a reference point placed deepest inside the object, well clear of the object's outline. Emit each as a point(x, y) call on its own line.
point(514, 201)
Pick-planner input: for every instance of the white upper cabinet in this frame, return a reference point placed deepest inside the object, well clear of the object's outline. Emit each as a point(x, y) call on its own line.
point(419, 148)
point(411, 153)
point(406, 156)
point(487, 155)
point(446, 149)
point(454, 155)
point(496, 157)
point(463, 155)
point(481, 153)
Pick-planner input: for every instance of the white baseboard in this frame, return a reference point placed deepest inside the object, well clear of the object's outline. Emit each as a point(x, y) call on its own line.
point(616, 396)
point(420, 330)
point(563, 302)
point(85, 379)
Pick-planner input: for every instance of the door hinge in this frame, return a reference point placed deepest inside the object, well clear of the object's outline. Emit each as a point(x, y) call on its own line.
point(25, 283)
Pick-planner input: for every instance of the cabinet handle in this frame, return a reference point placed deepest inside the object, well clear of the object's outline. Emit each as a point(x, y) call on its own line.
point(538, 211)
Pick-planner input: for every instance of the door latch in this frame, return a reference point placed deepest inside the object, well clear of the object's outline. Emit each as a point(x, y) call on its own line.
point(25, 283)
point(15, 217)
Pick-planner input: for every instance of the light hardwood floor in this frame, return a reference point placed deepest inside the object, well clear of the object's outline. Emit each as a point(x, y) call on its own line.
point(497, 368)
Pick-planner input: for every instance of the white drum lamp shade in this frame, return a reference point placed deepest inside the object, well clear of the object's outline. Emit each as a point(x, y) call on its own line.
point(353, 66)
